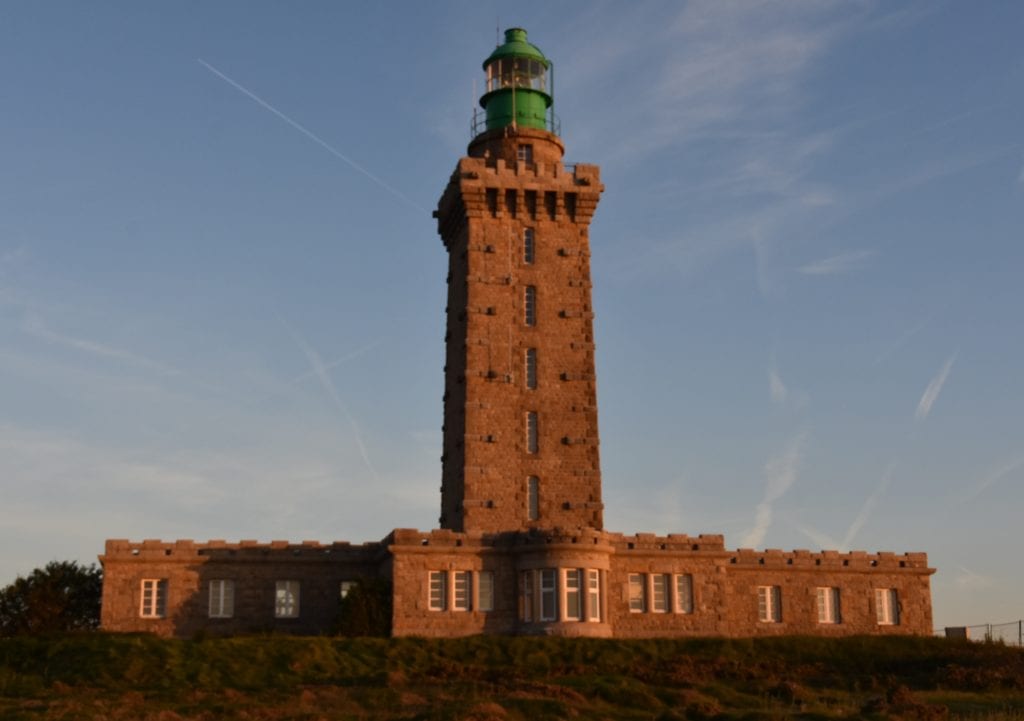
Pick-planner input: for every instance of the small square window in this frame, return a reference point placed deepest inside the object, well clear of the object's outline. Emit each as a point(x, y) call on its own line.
point(345, 588)
point(286, 599)
point(525, 153)
point(154, 598)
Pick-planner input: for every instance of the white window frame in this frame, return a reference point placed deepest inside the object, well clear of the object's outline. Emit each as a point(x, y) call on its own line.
point(683, 593)
point(528, 597)
point(829, 610)
point(572, 594)
point(485, 591)
point(636, 585)
point(153, 603)
point(769, 604)
point(462, 591)
point(593, 595)
point(530, 368)
point(887, 607)
point(286, 599)
point(530, 305)
point(548, 594)
point(660, 584)
point(532, 433)
point(222, 598)
point(529, 246)
point(437, 590)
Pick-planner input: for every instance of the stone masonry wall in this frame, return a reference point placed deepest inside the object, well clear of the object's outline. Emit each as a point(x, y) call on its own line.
point(188, 568)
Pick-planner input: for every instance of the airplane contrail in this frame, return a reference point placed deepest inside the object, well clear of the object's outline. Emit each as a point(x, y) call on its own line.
point(312, 136)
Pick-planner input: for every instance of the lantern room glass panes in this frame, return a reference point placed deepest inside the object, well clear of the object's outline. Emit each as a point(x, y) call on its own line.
point(518, 73)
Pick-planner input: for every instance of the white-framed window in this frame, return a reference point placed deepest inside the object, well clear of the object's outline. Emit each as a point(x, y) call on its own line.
point(548, 594)
point(529, 246)
point(345, 588)
point(286, 599)
point(532, 437)
point(485, 591)
point(154, 598)
point(887, 607)
point(463, 590)
point(828, 604)
point(573, 580)
point(532, 498)
point(769, 604)
point(637, 592)
point(222, 598)
point(684, 593)
point(525, 153)
point(593, 595)
point(438, 590)
point(659, 592)
point(526, 585)
point(530, 305)
point(530, 363)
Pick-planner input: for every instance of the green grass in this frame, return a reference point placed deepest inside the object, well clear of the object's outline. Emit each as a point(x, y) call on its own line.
point(101, 676)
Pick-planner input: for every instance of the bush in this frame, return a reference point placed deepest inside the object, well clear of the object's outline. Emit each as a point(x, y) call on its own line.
point(366, 609)
point(61, 596)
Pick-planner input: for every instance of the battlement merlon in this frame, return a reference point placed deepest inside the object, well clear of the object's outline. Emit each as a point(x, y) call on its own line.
point(886, 561)
point(188, 550)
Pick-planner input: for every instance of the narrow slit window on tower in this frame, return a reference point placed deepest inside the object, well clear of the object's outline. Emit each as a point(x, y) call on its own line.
point(525, 153)
point(531, 432)
point(532, 498)
point(492, 202)
point(530, 305)
point(529, 246)
point(510, 202)
point(531, 203)
point(531, 368)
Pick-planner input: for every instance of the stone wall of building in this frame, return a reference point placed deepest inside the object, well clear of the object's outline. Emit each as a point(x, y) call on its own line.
point(491, 201)
point(183, 571)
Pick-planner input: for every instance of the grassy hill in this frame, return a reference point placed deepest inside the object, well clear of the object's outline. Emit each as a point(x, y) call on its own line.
point(99, 676)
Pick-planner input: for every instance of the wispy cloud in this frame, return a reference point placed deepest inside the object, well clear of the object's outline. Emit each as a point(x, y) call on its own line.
point(866, 509)
point(777, 387)
point(837, 264)
point(968, 580)
point(35, 327)
point(996, 475)
point(319, 369)
point(780, 473)
point(312, 136)
point(931, 393)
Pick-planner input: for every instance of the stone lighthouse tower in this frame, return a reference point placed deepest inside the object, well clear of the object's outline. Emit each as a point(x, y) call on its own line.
point(520, 407)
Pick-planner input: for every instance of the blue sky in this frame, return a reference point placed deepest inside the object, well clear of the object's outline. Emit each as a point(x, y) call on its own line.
point(222, 293)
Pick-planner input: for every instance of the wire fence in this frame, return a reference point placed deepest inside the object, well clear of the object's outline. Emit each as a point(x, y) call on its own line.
point(1010, 633)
